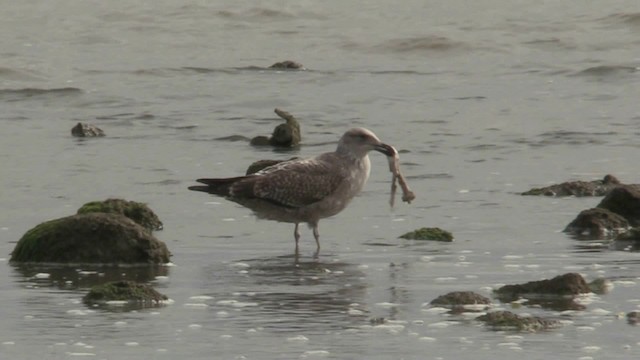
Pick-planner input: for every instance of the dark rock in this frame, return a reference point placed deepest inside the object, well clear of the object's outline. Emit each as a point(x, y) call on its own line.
point(124, 291)
point(86, 130)
point(260, 141)
point(624, 200)
point(633, 317)
point(597, 223)
point(425, 233)
point(460, 299)
point(138, 212)
point(287, 65)
point(284, 135)
point(261, 164)
point(506, 320)
point(556, 294)
point(562, 285)
point(578, 188)
point(90, 238)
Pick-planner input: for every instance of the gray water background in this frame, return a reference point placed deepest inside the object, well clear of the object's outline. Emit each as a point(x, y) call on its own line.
point(485, 99)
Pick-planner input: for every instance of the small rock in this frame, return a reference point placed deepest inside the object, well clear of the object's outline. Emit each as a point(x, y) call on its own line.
point(578, 188)
point(506, 320)
point(124, 291)
point(561, 285)
point(597, 223)
point(624, 200)
point(633, 317)
point(435, 234)
point(284, 135)
point(86, 130)
point(462, 301)
point(287, 65)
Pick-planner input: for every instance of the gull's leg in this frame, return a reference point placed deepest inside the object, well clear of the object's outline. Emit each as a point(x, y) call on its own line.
point(296, 235)
point(316, 235)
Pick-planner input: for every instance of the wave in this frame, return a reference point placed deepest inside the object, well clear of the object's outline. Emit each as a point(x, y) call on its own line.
point(30, 93)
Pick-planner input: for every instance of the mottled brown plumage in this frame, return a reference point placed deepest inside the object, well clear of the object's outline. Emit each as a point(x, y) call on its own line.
point(304, 190)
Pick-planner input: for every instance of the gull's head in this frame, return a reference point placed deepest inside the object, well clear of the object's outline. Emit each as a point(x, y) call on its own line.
point(359, 141)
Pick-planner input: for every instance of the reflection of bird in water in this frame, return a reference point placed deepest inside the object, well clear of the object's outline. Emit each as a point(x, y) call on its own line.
point(304, 190)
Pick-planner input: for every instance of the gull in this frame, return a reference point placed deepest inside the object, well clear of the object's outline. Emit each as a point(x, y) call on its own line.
point(304, 190)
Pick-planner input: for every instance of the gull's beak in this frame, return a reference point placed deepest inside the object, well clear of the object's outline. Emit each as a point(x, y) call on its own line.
point(385, 149)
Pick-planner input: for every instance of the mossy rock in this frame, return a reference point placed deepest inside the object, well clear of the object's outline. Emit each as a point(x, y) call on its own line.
point(129, 291)
point(89, 239)
point(460, 298)
point(138, 212)
point(435, 234)
point(506, 320)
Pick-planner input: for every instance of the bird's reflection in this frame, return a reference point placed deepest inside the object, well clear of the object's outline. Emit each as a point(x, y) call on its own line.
point(284, 293)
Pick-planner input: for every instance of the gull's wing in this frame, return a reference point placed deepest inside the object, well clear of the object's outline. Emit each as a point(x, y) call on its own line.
point(293, 183)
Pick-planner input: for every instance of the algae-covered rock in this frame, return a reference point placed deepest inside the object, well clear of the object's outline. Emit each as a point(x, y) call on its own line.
point(90, 238)
point(128, 291)
point(284, 135)
point(425, 233)
point(138, 212)
point(506, 320)
point(568, 284)
point(577, 188)
point(460, 298)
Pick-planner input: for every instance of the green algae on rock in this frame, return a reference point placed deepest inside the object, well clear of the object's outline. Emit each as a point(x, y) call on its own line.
point(506, 320)
point(128, 291)
point(92, 238)
point(435, 234)
point(138, 212)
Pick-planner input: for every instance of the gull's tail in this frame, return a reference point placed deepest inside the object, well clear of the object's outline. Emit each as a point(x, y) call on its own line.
point(216, 186)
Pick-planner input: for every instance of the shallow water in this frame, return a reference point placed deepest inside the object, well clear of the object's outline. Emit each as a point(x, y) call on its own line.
point(484, 100)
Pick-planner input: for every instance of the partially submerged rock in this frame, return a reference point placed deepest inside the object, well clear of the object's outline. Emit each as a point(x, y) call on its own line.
point(90, 238)
point(284, 135)
point(624, 200)
point(615, 214)
point(578, 188)
point(287, 65)
point(568, 284)
point(86, 130)
point(462, 301)
point(557, 293)
point(426, 233)
point(124, 291)
point(138, 212)
point(597, 223)
point(506, 320)
point(633, 318)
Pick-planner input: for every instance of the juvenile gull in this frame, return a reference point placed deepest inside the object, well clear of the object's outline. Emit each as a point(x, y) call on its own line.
point(305, 190)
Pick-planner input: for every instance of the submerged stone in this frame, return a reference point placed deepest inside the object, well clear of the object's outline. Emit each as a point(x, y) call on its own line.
point(624, 200)
point(284, 135)
point(425, 233)
point(577, 188)
point(138, 212)
point(462, 301)
point(128, 291)
point(597, 223)
point(506, 320)
point(557, 293)
point(287, 65)
point(90, 238)
point(86, 130)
